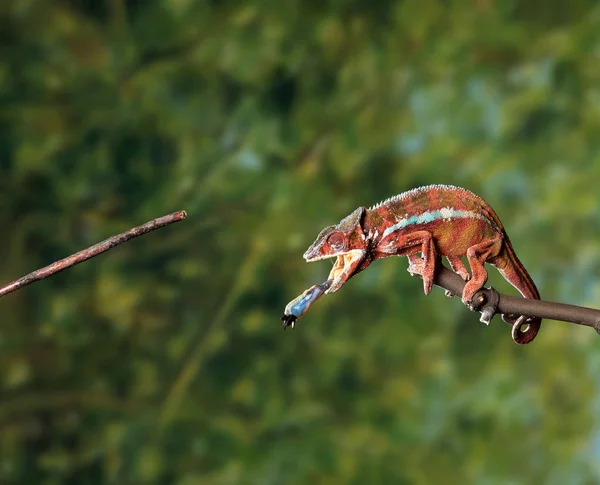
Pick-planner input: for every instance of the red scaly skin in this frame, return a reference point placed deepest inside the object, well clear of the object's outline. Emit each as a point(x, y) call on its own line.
point(436, 220)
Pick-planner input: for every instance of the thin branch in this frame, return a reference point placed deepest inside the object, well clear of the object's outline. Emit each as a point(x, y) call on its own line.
point(92, 251)
point(450, 281)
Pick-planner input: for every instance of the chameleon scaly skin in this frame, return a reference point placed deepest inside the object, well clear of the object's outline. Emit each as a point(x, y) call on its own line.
point(436, 220)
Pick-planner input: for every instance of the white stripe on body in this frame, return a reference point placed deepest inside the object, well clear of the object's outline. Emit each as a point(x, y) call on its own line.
point(446, 213)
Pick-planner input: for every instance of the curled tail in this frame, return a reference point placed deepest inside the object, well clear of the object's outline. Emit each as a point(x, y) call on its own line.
point(514, 272)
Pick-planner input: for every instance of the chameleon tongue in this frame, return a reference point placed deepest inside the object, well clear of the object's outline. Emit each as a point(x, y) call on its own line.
point(299, 305)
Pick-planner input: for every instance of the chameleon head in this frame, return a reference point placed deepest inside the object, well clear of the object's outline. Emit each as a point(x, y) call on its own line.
point(346, 242)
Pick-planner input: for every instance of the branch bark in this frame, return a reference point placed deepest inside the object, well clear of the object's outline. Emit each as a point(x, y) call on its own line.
point(92, 251)
point(489, 300)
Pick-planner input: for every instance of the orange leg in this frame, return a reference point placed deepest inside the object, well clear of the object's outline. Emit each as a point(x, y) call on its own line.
point(458, 267)
point(416, 264)
point(409, 245)
point(477, 255)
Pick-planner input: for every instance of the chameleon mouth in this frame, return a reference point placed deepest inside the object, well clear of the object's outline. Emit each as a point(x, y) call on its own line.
point(344, 266)
point(338, 266)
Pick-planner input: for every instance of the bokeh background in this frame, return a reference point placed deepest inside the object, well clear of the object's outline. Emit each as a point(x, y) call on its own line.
point(163, 362)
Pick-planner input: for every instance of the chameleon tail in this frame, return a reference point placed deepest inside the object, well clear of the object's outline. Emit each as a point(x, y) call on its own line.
point(514, 272)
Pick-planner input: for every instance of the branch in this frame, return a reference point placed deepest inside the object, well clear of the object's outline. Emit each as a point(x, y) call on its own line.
point(92, 251)
point(489, 301)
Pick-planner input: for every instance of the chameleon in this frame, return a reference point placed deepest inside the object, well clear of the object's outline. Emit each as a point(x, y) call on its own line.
point(435, 221)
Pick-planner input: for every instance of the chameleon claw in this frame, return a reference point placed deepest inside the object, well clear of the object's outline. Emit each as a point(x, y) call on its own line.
point(414, 270)
point(475, 303)
point(449, 294)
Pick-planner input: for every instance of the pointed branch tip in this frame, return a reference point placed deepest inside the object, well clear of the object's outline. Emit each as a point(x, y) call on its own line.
point(92, 251)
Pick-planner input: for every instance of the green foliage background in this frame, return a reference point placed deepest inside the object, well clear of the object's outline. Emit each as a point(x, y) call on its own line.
point(163, 361)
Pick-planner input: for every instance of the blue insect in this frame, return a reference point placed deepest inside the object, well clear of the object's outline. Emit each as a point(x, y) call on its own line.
point(298, 306)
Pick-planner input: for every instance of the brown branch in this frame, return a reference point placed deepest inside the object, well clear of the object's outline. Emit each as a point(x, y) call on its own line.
point(489, 302)
point(92, 251)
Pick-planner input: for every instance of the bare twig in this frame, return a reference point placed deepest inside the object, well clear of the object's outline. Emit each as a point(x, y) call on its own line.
point(92, 251)
point(489, 301)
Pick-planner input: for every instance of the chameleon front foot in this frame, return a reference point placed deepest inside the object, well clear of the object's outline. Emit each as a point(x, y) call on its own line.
point(416, 265)
point(299, 305)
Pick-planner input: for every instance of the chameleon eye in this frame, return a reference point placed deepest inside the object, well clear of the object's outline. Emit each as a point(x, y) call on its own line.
point(336, 241)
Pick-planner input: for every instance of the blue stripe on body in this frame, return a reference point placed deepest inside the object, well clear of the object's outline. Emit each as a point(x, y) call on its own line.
point(430, 216)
